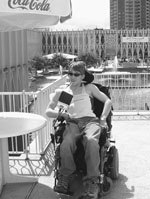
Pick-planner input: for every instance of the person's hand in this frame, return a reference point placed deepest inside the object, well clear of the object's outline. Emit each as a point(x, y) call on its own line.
point(65, 115)
point(103, 122)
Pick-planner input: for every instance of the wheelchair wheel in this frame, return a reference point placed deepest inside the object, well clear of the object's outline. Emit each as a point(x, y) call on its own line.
point(114, 167)
point(106, 186)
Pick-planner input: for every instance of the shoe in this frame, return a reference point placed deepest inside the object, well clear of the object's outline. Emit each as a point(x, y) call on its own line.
point(91, 188)
point(62, 184)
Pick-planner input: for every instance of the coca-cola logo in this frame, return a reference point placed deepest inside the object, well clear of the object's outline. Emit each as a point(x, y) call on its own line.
point(41, 5)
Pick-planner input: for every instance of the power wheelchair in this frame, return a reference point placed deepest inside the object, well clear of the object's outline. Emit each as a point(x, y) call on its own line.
point(109, 158)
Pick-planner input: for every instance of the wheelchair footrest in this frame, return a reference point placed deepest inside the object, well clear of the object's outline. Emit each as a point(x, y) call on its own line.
point(63, 192)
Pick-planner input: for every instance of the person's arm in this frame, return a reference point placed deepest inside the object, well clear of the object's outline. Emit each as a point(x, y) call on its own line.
point(51, 110)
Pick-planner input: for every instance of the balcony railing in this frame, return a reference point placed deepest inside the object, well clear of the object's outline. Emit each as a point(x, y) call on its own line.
point(129, 92)
point(33, 102)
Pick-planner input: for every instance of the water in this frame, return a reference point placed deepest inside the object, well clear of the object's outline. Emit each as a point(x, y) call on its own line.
point(115, 64)
point(42, 82)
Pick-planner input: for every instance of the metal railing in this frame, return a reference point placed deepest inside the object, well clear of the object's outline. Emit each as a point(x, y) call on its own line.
point(129, 92)
point(32, 102)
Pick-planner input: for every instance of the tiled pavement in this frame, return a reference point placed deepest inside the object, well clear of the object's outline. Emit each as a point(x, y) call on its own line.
point(132, 140)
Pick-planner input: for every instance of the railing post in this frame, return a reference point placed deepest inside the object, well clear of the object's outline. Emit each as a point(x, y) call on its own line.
point(1, 173)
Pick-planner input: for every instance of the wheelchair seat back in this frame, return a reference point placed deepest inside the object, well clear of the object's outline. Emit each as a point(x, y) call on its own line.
point(98, 105)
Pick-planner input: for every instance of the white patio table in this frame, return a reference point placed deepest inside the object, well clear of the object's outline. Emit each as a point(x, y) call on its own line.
point(15, 124)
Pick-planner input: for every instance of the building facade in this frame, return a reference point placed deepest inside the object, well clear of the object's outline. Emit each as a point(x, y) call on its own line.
point(18, 47)
point(129, 14)
point(134, 44)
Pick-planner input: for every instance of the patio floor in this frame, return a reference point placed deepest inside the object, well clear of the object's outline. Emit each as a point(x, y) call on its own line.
point(132, 140)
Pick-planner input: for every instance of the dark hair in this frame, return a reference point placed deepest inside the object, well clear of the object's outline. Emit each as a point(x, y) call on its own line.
point(80, 66)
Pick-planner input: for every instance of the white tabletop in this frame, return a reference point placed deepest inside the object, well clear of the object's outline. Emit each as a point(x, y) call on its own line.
point(19, 123)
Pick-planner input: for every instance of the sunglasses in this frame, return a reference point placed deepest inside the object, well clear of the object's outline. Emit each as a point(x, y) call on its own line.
point(74, 74)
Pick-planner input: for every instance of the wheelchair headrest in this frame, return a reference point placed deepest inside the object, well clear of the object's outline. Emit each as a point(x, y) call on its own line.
point(89, 77)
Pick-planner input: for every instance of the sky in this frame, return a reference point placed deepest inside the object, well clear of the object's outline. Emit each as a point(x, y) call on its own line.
point(87, 14)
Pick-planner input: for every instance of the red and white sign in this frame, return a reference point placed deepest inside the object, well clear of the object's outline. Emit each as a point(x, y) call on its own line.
point(135, 39)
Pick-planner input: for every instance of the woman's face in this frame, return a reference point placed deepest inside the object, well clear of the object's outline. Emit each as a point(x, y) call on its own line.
point(75, 77)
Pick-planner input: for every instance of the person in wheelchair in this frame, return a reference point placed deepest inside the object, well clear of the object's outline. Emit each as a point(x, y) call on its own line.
point(80, 110)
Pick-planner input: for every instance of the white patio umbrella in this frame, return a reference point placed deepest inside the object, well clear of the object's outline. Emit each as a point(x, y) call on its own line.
point(26, 14)
point(67, 56)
